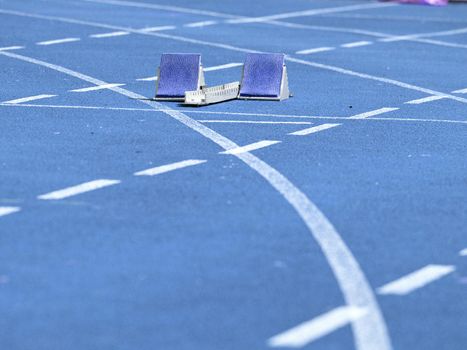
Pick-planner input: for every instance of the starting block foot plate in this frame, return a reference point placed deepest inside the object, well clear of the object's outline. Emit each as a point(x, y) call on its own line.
point(177, 73)
point(264, 77)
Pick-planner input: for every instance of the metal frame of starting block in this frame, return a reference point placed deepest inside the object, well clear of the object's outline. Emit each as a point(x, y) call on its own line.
point(284, 92)
point(215, 94)
point(200, 83)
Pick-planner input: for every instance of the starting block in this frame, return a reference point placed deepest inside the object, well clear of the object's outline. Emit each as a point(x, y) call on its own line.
point(180, 77)
point(177, 73)
point(264, 77)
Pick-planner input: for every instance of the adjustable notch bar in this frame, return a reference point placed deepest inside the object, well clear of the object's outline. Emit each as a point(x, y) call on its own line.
point(210, 95)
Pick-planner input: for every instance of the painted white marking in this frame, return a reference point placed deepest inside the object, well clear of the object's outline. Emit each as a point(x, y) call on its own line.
point(95, 88)
point(396, 18)
point(249, 122)
point(230, 16)
point(314, 50)
point(78, 189)
point(375, 78)
point(27, 99)
point(8, 210)
point(277, 23)
point(146, 5)
point(440, 43)
point(312, 12)
point(57, 41)
point(370, 331)
point(372, 113)
point(416, 280)
point(425, 35)
point(314, 129)
point(330, 29)
point(462, 91)
point(11, 48)
point(463, 252)
point(356, 44)
point(253, 114)
point(318, 327)
point(250, 147)
point(154, 78)
point(82, 107)
point(109, 35)
point(425, 100)
point(224, 15)
point(156, 29)
point(222, 66)
point(239, 49)
point(200, 24)
point(169, 167)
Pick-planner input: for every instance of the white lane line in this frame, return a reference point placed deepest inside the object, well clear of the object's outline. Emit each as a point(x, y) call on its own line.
point(109, 35)
point(425, 100)
point(156, 29)
point(369, 77)
point(57, 41)
point(356, 44)
point(314, 129)
point(277, 23)
point(312, 12)
point(463, 252)
point(416, 280)
point(27, 99)
point(425, 35)
point(316, 328)
point(440, 43)
point(253, 114)
point(314, 50)
point(223, 66)
point(169, 167)
point(239, 49)
point(82, 107)
point(95, 88)
point(370, 331)
point(78, 189)
point(200, 24)
point(8, 210)
point(372, 113)
point(250, 122)
point(11, 48)
point(140, 4)
point(230, 16)
point(154, 78)
point(398, 18)
point(250, 147)
point(462, 91)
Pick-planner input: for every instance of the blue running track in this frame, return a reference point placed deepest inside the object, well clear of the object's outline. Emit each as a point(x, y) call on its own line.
point(129, 224)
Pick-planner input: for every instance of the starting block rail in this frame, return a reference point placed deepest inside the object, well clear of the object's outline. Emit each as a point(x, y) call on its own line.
point(215, 94)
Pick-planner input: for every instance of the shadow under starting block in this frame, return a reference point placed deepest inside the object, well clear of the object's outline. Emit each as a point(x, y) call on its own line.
point(178, 73)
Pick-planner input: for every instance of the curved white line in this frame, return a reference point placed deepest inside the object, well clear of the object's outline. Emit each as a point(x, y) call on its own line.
point(370, 331)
